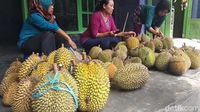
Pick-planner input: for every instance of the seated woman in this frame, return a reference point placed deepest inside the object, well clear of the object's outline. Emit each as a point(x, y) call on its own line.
point(38, 33)
point(151, 16)
point(101, 29)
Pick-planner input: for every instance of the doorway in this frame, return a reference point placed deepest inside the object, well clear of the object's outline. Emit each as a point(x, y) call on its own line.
point(178, 20)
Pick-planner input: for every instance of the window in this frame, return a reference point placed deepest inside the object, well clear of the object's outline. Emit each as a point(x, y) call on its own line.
point(66, 14)
point(88, 6)
point(72, 15)
point(196, 9)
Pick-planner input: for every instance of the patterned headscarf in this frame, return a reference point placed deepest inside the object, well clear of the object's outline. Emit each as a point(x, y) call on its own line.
point(42, 6)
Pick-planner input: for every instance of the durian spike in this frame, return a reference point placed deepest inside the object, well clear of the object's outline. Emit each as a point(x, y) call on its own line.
point(184, 44)
point(55, 67)
point(73, 62)
point(62, 45)
point(84, 55)
point(89, 58)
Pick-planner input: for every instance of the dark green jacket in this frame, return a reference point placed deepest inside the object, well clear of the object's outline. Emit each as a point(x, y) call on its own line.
point(149, 17)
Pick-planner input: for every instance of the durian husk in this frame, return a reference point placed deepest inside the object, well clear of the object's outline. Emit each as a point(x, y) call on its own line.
point(132, 43)
point(167, 43)
point(147, 56)
point(94, 86)
point(105, 56)
point(51, 57)
point(132, 60)
point(112, 69)
point(64, 57)
point(177, 65)
point(23, 96)
point(158, 44)
point(120, 54)
point(162, 61)
point(195, 58)
point(118, 62)
point(7, 81)
point(28, 65)
point(94, 52)
point(41, 69)
point(8, 97)
point(53, 100)
point(131, 76)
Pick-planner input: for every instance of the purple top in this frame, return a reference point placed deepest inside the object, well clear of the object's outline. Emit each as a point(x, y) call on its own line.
point(97, 25)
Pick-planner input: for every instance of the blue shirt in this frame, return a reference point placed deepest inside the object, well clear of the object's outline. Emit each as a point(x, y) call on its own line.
point(35, 24)
point(149, 18)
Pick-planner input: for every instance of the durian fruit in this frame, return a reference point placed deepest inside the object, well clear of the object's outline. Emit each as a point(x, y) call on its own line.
point(162, 61)
point(109, 51)
point(118, 62)
point(156, 55)
point(167, 43)
point(13, 68)
point(177, 65)
point(119, 44)
point(28, 65)
point(145, 38)
point(150, 45)
point(131, 76)
point(51, 57)
point(130, 60)
point(134, 52)
point(195, 58)
point(7, 81)
point(16, 63)
point(185, 47)
point(105, 56)
point(111, 68)
point(121, 48)
point(64, 57)
point(22, 97)
point(147, 56)
point(185, 56)
point(132, 43)
point(59, 96)
point(94, 52)
point(8, 97)
point(120, 54)
point(43, 57)
point(94, 86)
point(158, 44)
point(41, 69)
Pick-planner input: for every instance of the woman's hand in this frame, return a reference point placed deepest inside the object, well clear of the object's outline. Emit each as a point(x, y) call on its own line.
point(123, 34)
point(67, 38)
point(111, 33)
point(72, 44)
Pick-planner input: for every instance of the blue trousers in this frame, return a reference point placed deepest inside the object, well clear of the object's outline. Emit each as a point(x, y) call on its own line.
point(105, 43)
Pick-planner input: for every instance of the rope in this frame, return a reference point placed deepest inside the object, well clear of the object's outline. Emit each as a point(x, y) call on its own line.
point(75, 54)
point(54, 86)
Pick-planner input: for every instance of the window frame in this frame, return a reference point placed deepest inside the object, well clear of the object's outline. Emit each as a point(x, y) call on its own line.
point(80, 13)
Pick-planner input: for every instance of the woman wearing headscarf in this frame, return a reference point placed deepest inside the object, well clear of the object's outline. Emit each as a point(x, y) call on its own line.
point(38, 33)
point(151, 16)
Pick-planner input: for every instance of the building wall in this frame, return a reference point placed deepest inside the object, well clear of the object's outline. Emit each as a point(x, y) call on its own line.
point(10, 20)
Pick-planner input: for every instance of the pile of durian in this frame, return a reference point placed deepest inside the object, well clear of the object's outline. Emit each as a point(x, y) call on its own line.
point(159, 53)
point(64, 81)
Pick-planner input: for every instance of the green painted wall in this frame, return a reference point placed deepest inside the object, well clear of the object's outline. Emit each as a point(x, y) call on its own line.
point(191, 27)
point(194, 31)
